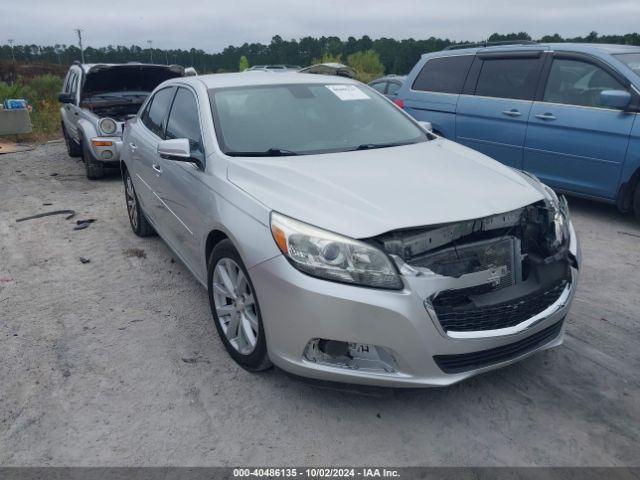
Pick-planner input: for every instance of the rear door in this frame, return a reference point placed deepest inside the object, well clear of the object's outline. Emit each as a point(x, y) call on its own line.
point(492, 118)
point(71, 110)
point(573, 142)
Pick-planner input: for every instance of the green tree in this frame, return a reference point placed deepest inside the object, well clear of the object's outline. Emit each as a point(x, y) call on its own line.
point(244, 63)
point(367, 65)
point(328, 58)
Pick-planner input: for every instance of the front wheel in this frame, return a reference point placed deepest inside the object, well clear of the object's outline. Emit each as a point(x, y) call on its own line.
point(235, 309)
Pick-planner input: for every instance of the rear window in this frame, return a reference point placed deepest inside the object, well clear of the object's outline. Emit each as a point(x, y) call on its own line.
point(509, 78)
point(444, 75)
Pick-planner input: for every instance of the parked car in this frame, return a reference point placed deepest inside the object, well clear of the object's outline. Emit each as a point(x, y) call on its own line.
point(97, 99)
point(340, 240)
point(273, 68)
point(388, 85)
point(565, 112)
point(337, 69)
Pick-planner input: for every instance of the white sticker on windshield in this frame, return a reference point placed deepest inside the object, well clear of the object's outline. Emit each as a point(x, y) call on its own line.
point(348, 92)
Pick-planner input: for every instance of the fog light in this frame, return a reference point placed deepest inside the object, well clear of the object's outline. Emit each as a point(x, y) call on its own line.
point(353, 356)
point(107, 154)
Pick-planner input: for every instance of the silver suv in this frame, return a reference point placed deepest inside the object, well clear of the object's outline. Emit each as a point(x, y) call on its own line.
point(96, 99)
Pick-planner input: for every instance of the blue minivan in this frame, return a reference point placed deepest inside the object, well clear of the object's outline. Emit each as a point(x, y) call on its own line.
point(567, 113)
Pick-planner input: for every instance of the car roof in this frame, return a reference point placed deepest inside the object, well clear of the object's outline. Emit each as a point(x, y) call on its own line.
point(249, 78)
point(602, 48)
point(86, 67)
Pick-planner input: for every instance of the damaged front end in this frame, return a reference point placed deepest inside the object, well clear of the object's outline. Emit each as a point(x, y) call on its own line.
point(490, 276)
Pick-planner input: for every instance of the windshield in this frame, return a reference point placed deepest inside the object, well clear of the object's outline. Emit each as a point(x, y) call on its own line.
point(298, 119)
point(632, 61)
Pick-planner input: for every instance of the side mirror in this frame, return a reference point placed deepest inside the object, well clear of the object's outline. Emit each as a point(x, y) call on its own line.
point(64, 97)
point(426, 126)
point(177, 149)
point(615, 99)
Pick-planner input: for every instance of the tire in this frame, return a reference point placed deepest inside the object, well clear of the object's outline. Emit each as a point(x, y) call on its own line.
point(137, 219)
point(73, 149)
point(95, 170)
point(241, 311)
point(636, 202)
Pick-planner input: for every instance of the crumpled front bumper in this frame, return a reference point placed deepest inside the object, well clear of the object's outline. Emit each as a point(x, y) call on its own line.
point(297, 309)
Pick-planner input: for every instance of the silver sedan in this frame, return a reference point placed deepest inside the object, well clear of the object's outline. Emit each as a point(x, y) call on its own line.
point(341, 240)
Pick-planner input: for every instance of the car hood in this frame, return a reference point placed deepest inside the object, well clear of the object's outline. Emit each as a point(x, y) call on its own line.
point(365, 193)
point(134, 77)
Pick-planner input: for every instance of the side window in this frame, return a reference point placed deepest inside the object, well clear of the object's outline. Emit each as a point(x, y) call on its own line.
point(444, 75)
point(73, 84)
point(509, 78)
point(379, 86)
point(67, 82)
point(183, 120)
point(154, 117)
point(393, 88)
point(575, 82)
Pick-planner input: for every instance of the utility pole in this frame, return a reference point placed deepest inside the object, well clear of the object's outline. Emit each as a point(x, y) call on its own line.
point(13, 57)
point(79, 32)
point(150, 51)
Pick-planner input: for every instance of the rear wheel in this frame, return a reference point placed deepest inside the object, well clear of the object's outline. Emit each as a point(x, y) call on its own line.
point(94, 169)
point(73, 149)
point(235, 309)
point(139, 223)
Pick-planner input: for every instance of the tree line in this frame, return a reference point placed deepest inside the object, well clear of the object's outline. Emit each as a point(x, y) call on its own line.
point(397, 56)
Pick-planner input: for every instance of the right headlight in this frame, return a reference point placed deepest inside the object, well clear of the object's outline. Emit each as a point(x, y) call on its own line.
point(330, 256)
point(108, 126)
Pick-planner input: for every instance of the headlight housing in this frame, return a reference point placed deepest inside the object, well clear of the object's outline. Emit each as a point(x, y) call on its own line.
point(559, 217)
point(329, 256)
point(108, 126)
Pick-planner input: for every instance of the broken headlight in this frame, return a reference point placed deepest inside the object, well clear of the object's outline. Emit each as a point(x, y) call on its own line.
point(329, 256)
point(559, 218)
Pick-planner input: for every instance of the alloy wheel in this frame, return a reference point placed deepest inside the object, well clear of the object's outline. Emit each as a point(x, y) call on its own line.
point(235, 306)
point(132, 204)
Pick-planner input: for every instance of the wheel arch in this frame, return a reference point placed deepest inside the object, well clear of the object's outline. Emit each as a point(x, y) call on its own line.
point(214, 238)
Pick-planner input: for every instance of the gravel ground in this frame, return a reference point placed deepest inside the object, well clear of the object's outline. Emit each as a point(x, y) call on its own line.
point(116, 361)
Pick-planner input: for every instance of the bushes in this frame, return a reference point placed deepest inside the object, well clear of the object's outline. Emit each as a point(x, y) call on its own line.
point(41, 93)
point(244, 64)
point(366, 64)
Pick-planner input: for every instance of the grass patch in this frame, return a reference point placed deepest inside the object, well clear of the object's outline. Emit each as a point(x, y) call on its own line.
point(41, 92)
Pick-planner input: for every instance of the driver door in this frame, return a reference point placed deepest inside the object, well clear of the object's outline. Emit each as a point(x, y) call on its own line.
point(573, 142)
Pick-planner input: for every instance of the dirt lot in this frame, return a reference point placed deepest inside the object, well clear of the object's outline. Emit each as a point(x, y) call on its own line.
point(116, 361)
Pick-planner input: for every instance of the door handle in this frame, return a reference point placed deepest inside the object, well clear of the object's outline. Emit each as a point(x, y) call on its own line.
point(133, 146)
point(546, 116)
point(157, 168)
point(512, 113)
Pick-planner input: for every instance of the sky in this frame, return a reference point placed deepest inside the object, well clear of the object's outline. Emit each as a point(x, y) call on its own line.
point(212, 25)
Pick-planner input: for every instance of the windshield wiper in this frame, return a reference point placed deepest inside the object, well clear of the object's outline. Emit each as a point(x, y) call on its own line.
point(371, 146)
point(271, 152)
